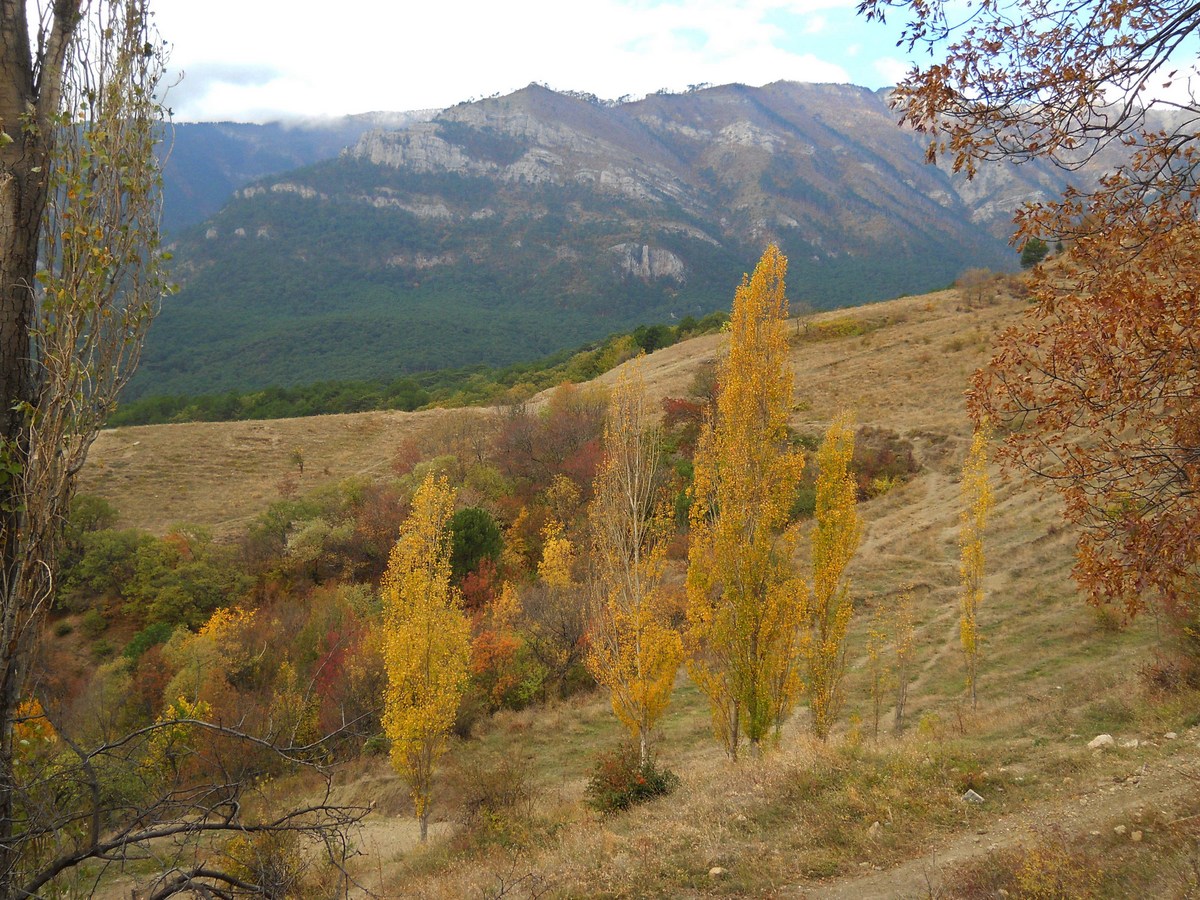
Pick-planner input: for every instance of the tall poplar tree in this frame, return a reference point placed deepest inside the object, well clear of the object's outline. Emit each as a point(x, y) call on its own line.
point(834, 540)
point(426, 643)
point(633, 650)
point(745, 603)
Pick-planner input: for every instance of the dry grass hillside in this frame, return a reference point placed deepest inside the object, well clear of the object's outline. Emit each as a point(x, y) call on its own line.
point(860, 817)
point(906, 371)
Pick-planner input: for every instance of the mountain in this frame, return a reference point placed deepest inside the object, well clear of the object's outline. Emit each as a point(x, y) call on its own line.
point(205, 162)
point(507, 228)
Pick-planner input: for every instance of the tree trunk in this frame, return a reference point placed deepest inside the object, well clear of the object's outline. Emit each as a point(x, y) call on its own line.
point(22, 199)
point(27, 107)
point(18, 257)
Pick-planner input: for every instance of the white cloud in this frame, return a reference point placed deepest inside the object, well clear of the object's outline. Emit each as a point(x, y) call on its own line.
point(892, 70)
point(379, 54)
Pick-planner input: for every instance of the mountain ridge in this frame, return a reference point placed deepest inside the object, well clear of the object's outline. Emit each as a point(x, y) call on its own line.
point(508, 228)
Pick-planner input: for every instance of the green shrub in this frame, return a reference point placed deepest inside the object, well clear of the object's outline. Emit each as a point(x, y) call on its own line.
point(804, 504)
point(619, 780)
point(103, 565)
point(93, 623)
point(376, 745)
point(474, 536)
point(1033, 252)
point(158, 633)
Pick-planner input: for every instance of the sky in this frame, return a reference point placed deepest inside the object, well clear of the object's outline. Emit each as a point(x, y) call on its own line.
point(264, 60)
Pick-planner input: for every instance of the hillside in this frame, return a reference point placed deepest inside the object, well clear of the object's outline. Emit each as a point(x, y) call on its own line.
point(856, 819)
point(907, 371)
point(509, 228)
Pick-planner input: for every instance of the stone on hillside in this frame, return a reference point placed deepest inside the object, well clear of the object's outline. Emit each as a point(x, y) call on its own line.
point(1135, 836)
point(971, 797)
point(1131, 744)
point(874, 830)
point(1119, 829)
point(1100, 741)
point(716, 872)
point(1170, 735)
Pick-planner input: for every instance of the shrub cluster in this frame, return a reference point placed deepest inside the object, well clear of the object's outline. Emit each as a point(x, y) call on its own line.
point(620, 780)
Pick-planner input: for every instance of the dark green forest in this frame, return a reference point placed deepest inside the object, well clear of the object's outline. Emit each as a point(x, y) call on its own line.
point(447, 387)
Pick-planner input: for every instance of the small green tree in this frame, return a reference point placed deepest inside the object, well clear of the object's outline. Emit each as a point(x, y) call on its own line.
point(1033, 252)
point(474, 537)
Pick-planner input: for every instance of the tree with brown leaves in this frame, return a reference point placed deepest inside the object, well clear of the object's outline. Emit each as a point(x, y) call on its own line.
point(1096, 390)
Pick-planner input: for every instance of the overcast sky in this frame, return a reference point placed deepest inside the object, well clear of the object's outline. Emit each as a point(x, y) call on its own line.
point(258, 60)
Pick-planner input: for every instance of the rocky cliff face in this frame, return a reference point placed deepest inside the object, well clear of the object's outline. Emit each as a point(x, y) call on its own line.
point(648, 263)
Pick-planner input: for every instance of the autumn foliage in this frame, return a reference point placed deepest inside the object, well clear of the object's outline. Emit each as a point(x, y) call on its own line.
point(1095, 390)
point(633, 650)
point(745, 603)
point(426, 643)
point(835, 538)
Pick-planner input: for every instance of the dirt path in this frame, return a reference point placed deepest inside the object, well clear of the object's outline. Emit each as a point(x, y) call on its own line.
point(1091, 810)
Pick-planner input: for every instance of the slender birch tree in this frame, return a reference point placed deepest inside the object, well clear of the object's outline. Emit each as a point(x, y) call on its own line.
point(835, 539)
point(633, 650)
point(426, 643)
point(745, 603)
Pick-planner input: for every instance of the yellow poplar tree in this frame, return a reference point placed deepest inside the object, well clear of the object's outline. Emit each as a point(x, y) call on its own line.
point(633, 650)
point(558, 557)
point(745, 604)
point(976, 493)
point(426, 643)
point(834, 541)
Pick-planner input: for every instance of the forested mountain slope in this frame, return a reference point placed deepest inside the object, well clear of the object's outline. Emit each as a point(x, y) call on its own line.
point(512, 227)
